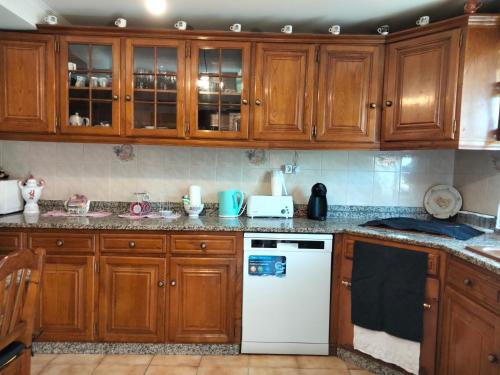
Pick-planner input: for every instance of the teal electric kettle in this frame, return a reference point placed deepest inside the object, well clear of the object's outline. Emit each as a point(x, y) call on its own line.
point(231, 203)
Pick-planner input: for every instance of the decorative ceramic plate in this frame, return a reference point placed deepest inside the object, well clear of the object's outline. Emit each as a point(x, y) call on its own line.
point(442, 201)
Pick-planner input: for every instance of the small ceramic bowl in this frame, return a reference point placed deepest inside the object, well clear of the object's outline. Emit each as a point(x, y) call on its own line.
point(193, 211)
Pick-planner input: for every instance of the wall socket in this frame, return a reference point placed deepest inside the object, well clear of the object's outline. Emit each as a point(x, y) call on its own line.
point(291, 169)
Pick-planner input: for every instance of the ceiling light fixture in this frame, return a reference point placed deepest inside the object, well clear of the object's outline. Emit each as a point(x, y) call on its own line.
point(156, 7)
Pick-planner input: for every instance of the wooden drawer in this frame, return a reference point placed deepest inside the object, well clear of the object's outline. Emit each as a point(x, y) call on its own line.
point(476, 283)
point(10, 241)
point(63, 242)
point(133, 243)
point(203, 244)
point(432, 259)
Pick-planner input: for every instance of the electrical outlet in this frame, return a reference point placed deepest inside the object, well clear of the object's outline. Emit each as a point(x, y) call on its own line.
point(295, 169)
point(288, 168)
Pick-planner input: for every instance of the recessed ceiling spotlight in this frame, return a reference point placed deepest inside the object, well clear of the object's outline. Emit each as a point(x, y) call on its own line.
point(156, 7)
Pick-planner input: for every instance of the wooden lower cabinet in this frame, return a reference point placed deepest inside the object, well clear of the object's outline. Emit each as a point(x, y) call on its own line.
point(67, 299)
point(131, 299)
point(202, 291)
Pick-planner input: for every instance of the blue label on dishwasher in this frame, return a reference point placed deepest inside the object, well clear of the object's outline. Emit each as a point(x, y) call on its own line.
point(267, 265)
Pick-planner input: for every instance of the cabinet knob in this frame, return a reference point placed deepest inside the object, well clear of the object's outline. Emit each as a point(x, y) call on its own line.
point(115, 97)
point(173, 283)
point(161, 284)
point(373, 105)
point(492, 358)
point(345, 283)
point(131, 244)
point(468, 282)
point(203, 245)
point(128, 98)
point(388, 103)
point(427, 306)
point(59, 243)
point(244, 101)
point(258, 102)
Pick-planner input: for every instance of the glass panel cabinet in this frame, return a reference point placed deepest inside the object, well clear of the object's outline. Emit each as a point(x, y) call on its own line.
point(154, 88)
point(219, 90)
point(90, 74)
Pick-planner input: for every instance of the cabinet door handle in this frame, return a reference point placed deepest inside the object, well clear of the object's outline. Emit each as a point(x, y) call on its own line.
point(468, 282)
point(59, 243)
point(131, 244)
point(173, 283)
point(258, 102)
point(161, 284)
point(128, 98)
point(388, 103)
point(347, 284)
point(203, 246)
point(492, 358)
point(244, 101)
point(115, 97)
point(373, 105)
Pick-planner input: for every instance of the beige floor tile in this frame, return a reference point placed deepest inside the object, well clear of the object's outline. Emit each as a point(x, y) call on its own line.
point(222, 371)
point(273, 371)
point(127, 359)
point(176, 360)
point(283, 361)
point(37, 368)
point(323, 371)
point(321, 362)
point(352, 366)
point(39, 359)
point(224, 361)
point(104, 369)
point(68, 369)
point(361, 372)
point(171, 370)
point(76, 359)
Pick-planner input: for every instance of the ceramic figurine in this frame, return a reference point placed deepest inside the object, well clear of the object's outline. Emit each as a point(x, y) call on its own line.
point(31, 191)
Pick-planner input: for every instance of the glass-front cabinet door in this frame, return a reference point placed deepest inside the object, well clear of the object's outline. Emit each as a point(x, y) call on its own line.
point(154, 87)
point(90, 83)
point(219, 90)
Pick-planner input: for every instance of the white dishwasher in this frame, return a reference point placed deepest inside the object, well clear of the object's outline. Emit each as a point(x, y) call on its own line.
point(286, 293)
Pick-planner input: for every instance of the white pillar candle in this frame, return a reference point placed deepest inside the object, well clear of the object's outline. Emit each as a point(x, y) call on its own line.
point(195, 195)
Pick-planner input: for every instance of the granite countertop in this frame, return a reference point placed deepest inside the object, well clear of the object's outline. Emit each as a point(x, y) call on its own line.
point(298, 225)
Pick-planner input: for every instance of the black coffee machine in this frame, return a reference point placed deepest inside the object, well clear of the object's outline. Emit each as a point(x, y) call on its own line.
point(317, 206)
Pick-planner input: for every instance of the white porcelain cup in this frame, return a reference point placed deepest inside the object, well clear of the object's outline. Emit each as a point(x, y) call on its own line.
point(71, 66)
point(236, 27)
point(80, 81)
point(383, 30)
point(334, 29)
point(424, 20)
point(121, 22)
point(50, 19)
point(287, 29)
point(103, 81)
point(180, 25)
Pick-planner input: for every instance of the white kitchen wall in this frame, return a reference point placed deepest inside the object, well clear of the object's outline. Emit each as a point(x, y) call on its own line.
point(477, 177)
point(351, 177)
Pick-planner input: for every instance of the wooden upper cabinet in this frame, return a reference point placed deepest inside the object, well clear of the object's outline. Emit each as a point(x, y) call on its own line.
point(132, 299)
point(284, 91)
point(421, 88)
point(155, 87)
point(350, 91)
point(89, 76)
point(27, 83)
point(202, 300)
point(471, 337)
point(219, 89)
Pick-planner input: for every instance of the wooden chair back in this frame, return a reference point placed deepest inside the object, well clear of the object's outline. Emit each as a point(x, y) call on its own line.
point(20, 277)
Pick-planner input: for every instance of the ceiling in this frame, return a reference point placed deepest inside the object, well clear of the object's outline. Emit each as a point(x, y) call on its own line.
point(355, 16)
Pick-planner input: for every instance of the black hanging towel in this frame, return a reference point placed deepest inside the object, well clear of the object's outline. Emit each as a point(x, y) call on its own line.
point(388, 290)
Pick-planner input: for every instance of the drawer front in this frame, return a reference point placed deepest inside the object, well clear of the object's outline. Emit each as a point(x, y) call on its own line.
point(63, 242)
point(476, 284)
point(133, 243)
point(203, 244)
point(10, 241)
point(432, 259)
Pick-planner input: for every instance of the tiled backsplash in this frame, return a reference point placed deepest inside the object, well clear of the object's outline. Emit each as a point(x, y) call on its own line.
point(351, 177)
point(477, 177)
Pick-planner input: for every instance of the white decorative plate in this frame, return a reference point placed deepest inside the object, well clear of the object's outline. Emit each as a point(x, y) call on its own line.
point(442, 201)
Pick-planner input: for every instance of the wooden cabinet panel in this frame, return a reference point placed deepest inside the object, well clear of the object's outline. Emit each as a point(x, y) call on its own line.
point(131, 299)
point(133, 243)
point(350, 92)
point(27, 84)
point(201, 300)
point(203, 244)
point(67, 299)
point(421, 88)
point(10, 241)
point(284, 91)
point(471, 337)
point(63, 243)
